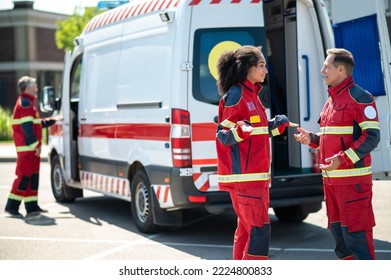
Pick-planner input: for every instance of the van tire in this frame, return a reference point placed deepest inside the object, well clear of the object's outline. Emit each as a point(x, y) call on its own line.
point(291, 214)
point(61, 192)
point(141, 203)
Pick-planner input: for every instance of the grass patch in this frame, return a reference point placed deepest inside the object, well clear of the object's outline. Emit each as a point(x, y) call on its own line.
point(5, 125)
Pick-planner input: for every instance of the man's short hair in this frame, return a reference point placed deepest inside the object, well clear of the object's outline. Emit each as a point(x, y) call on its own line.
point(343, 57)
point(24, 82)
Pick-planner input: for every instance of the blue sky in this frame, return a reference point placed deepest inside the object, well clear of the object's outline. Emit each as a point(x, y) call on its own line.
point(54, 6)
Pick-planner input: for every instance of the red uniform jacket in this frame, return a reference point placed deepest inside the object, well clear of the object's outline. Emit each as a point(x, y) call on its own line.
point(349, 127)
point(243, 157)
point(26, 124)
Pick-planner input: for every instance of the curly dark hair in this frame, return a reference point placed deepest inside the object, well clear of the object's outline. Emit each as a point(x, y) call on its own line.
point(233, 66)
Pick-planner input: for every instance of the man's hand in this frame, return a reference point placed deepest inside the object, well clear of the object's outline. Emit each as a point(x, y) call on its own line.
point(38, 151)
point(333, 163)
point(303, 137)
point(57, 118)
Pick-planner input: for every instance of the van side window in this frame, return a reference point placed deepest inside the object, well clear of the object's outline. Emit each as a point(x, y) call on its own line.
point(75, 79)
point(208, 45)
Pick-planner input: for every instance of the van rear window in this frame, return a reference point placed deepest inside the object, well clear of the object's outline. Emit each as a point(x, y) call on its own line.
point(208, 45)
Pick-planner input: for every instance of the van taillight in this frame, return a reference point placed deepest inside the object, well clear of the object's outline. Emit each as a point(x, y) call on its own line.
point(181, 138)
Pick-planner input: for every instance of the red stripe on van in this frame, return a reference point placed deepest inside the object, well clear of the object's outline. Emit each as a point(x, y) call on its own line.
point(194, 2)
point(141, 8)
point(168, 4)
point(208, 161)
point(157, 132)
point(55, 130)
point(203, 131)
point(166, 192)
point(149, 5)
point(161, 5)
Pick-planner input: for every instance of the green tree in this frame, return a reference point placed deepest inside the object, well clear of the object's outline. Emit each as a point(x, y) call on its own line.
point(72, 27)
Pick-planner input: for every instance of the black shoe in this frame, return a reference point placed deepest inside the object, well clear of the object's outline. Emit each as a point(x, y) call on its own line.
point(14, 213)
point(37, 210)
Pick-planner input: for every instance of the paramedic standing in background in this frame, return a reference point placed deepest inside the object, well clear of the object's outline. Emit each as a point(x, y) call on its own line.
point(243, 149)
point(349, 131)
point(27, 134)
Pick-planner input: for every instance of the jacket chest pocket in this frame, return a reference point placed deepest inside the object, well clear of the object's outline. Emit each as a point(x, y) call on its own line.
point(338, 112)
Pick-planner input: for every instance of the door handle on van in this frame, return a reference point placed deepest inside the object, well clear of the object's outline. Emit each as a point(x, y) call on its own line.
point(83, 118)
point(307, 77)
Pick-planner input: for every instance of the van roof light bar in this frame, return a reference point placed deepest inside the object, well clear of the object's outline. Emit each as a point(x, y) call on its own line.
point(107, 5)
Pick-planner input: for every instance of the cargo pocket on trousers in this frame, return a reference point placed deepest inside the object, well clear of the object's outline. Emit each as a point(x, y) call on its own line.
point(359, 215)
point(250, 209)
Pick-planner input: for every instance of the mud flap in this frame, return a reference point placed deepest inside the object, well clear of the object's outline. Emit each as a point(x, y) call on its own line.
point(72, 193)
point(163, 217)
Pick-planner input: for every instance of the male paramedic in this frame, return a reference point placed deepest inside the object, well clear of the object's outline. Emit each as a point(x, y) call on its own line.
point(27, 134)
point(349, 131)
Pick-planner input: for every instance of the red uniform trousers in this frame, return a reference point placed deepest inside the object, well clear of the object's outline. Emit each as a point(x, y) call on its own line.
point(252, 235)
point(25, 186)
point(351, 220)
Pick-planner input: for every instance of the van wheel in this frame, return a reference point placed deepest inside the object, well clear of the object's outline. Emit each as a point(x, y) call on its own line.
point(291, 213)
point(141, 203)
point(61, 192)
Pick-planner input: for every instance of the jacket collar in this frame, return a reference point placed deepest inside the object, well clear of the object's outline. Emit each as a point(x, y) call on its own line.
point(345, 84)
point(28, 96)
point(254, 88)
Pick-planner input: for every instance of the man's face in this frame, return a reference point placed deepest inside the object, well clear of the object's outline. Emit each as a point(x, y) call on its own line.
point(32, 89)
point(332, 75)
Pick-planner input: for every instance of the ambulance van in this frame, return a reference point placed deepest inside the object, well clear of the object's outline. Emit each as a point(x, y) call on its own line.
point(139, 104)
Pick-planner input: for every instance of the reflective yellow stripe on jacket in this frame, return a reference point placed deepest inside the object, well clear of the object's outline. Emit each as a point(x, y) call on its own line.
point(336, 130)
point(275, 132)
point(27, 148)
point(260, 130)
point(235, 178)
point(342, 173)
point(25, 120)
point(369, 125)
point(352, 155)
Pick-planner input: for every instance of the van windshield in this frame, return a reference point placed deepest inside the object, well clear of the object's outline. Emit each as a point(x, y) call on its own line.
point(208, 45)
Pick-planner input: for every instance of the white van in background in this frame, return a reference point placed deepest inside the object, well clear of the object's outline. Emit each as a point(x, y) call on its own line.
point(139, 102)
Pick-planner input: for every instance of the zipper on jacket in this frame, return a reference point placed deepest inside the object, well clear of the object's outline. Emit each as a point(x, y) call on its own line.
point(248, 153)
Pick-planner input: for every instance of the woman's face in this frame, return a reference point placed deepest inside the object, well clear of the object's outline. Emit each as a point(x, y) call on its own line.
point(258, 74)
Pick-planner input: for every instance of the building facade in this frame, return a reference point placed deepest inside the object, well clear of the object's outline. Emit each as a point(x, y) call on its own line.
point(27, 47)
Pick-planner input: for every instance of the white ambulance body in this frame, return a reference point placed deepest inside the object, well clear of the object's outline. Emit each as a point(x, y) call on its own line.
point(139, 102)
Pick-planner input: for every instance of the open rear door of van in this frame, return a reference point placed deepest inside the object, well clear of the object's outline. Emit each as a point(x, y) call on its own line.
point(360, 26)
point(237, 23)
point(65, 109)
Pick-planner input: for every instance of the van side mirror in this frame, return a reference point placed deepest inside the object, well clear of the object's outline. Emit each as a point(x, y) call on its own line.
point(48, 102)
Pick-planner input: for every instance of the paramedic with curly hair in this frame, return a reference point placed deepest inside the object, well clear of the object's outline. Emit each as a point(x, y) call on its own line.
point(243, 148)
